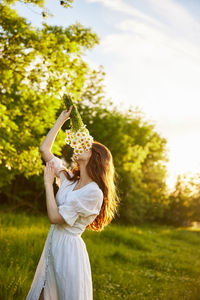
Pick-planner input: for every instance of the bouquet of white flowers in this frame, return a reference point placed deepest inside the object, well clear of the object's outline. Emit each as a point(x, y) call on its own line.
point(78, 136)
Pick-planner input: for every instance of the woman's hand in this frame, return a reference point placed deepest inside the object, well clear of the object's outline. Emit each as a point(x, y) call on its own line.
point(65, 114)
point(49, 173)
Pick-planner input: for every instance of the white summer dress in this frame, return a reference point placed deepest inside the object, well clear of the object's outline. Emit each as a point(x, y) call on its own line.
point(64, 268)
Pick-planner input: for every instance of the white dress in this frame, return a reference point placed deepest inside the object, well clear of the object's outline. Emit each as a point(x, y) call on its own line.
point(64, 268)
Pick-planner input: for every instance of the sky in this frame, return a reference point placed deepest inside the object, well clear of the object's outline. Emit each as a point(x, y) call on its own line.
point(150, 51)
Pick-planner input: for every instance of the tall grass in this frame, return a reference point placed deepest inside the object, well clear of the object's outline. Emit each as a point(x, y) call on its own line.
point(136, 262)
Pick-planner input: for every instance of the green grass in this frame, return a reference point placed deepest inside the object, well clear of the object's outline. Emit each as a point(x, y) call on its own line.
point(135, 262)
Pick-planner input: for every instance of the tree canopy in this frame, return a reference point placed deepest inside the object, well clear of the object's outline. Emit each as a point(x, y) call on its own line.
point(38, 66)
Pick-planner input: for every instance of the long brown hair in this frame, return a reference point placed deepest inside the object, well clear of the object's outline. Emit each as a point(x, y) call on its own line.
point(101, 169)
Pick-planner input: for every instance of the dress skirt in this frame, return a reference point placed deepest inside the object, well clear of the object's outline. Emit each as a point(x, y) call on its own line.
point(64, 268)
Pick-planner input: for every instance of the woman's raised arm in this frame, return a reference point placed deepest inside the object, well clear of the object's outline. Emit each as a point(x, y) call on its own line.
point(50, 138)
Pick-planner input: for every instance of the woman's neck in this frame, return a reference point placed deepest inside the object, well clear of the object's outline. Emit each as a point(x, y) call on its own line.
point(84, 177)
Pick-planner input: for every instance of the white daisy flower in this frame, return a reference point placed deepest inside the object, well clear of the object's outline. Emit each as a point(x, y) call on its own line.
point(76, 151)
point(88, 144)
point(89, 138)
point(78, 134)
point(80, 146)
point(83, 144)
point(81, 151)
point(84, 134)
point(74, 143)
point(68, 133)
point(67, 141)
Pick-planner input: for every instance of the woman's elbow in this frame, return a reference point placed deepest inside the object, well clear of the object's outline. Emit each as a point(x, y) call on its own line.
point(57, 219)
point(41, 149)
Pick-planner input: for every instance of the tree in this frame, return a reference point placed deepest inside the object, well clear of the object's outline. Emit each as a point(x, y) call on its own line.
point(38, 66)
point(183, 205)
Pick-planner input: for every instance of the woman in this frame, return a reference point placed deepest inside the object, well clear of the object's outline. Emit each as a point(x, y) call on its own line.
point(86, 198)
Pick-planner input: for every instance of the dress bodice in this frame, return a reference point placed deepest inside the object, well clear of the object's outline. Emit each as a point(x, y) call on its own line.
point(78, 207)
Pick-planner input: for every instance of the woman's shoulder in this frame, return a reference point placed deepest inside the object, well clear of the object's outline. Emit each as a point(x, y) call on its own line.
point(93, 188)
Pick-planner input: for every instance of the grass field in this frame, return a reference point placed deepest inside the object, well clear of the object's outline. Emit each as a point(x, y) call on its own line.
point(135, 262)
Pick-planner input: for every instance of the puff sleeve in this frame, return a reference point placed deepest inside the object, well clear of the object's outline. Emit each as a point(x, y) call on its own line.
point(86, 204)
point(58, 164)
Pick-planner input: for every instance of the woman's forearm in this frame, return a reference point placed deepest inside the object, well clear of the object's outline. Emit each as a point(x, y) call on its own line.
point(50, 138)
point(52, 208)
